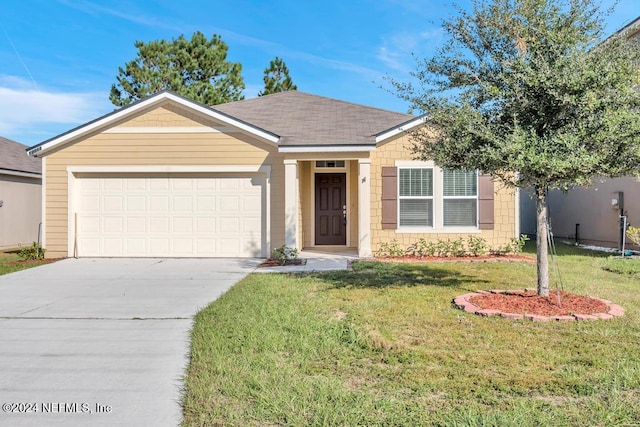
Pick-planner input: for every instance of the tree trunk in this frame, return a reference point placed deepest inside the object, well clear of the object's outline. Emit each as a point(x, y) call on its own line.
point(542, 246)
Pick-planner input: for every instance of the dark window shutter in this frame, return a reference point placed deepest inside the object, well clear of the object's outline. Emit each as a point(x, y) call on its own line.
point(485, 202)
point(389, 197)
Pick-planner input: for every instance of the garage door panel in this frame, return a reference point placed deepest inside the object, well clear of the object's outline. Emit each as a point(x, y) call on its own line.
point(178, 216)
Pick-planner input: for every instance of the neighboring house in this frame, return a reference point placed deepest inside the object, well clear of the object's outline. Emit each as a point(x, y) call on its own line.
point(589, 211)
point(167, 176)
point(20, 196)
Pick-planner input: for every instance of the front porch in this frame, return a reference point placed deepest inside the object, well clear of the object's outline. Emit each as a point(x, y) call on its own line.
point(327, 204)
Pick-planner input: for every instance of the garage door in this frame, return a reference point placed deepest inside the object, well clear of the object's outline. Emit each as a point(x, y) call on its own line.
point(170, 216)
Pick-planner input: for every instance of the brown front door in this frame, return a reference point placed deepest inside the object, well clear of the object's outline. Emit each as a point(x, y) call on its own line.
point(331, 204)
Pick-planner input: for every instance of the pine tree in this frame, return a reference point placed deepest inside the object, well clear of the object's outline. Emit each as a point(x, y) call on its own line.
point(276, 78)
point(197, 69)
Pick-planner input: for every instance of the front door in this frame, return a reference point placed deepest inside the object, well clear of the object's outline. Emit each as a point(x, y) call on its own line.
point(331, 205)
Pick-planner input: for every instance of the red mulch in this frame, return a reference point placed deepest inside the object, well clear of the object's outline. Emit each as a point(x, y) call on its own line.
point(531, 303)
point(32, 261)
point(271, 262)
point(481, 258)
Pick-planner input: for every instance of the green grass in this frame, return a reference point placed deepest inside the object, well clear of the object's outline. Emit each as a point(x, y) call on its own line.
point(7, 266)
point(383, 345)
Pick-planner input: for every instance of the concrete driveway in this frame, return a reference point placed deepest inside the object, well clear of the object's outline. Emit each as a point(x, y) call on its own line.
point(103, 341)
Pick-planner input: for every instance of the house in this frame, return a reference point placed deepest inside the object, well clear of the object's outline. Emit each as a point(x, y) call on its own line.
point(591, 215)
point(167, 176)
point(20, 196)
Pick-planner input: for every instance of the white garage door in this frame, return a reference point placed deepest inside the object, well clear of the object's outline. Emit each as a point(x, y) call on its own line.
point(170, 216)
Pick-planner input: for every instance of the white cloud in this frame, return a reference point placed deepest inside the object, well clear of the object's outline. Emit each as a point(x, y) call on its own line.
point(396, 50)
point(27, 113)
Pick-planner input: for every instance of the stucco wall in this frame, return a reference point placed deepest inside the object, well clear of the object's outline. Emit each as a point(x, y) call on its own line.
point(399, 149)
point(21, 210)
point(157, 149)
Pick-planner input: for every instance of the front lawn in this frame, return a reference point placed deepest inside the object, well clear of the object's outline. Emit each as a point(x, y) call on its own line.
point(383, 345)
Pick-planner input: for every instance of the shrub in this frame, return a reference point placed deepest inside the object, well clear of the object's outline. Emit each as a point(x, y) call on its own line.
point(457, 247)
point(33, 252)
point(422, 248)
point(391, 249)
point(633, 233)
point(284, 254)
point(477, 245)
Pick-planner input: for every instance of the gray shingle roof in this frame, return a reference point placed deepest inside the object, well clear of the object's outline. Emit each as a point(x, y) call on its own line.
point(13, 157)
point(303, 119)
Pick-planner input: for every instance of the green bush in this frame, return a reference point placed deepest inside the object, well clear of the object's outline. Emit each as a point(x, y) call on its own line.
point(477, 245)
point(391, 249)
point(284, 254)
point(35, 251)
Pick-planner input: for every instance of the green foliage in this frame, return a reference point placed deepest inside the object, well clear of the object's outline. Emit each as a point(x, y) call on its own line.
point(528, 92)
point(477, 245)
point(422, 248)
point(33, 252)
point(197, 69)
point(633, 234)
point(284, 254)
point(391, 249)
point(276, 78)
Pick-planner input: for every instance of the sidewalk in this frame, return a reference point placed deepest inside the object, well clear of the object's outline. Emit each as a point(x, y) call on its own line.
point(316, 261)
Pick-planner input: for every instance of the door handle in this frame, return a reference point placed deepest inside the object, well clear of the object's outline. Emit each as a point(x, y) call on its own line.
point(344, 214)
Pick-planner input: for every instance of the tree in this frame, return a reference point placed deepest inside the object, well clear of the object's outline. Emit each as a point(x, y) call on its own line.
point(196, 68)
point(276, 78)
point(527, 91)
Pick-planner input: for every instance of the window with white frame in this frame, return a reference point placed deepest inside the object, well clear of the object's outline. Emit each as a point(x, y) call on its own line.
point(430, 197)
point(459, 198)
point(416, 197)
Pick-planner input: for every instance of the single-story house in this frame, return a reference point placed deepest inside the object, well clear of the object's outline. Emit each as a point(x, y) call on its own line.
point(20, 195)
point(167, 176)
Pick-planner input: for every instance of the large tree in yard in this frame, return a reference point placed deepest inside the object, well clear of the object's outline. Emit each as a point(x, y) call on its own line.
point(530, 92)
point(196, 68)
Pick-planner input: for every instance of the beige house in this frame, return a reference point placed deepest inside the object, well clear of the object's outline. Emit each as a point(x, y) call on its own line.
point(170, 177)
point(20, 196)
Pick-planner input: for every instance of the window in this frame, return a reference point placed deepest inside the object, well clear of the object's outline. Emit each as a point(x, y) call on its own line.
point(329, 163)
point(416, 197)
point(460, 198)
point(430, 197)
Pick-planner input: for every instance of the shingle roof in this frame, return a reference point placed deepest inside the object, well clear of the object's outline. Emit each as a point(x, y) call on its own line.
point(303, 119)
point(13, 157)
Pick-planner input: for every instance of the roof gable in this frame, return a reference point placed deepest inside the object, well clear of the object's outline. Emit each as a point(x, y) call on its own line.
point(112, 119)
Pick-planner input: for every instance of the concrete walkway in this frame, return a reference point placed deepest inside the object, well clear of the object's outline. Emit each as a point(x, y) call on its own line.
point(316, 261)
point(103, 341)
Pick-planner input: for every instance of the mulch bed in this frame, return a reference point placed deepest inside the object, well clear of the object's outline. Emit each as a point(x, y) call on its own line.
point(468, 258)
point(532, 303)
point(528, 305)
point(271, 262)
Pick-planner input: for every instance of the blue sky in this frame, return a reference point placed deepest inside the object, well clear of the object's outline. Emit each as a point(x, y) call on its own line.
point(59, 58)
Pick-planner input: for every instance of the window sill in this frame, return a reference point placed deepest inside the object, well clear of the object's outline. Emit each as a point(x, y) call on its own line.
point(431, 230)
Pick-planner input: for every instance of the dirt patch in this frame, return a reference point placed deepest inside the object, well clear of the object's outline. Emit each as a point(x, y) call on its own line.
point(532, 303)
point(272, 262)
point(469, 258)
